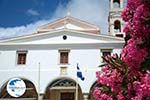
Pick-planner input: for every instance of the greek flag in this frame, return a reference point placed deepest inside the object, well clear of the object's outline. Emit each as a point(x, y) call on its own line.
point(79, 73)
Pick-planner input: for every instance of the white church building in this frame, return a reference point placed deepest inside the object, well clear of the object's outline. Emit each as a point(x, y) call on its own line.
point(45, 65)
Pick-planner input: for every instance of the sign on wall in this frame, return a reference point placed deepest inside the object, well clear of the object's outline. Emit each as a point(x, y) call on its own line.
point(16, 87)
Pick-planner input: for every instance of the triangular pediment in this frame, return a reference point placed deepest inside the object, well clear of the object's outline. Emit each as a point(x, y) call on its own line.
point(70, 23)
point(56, 37)
point(79, 34)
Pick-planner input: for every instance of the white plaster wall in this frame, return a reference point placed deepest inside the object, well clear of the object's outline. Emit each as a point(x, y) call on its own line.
point(48, 60)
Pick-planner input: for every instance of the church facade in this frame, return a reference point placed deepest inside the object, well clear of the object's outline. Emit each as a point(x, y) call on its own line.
point(59, 61)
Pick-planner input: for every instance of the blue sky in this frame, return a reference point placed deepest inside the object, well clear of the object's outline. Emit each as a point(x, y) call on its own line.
point(21, 17)
point(22, 12)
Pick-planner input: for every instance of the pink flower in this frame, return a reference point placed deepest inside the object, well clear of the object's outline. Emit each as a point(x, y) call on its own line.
point(132, 54)
point(140, 19)
point(129, 83)
point(120, 97)
point(142, 88)
point(108, 77)
point(128, 12)
point(99, 95)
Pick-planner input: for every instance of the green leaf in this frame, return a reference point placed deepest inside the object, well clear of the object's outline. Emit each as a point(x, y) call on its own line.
point(105, 88)
point(102, 65)
point(124, 84)
point(145, 66)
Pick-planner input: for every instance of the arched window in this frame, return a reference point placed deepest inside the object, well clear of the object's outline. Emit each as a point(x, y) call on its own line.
point(116, 3)
point(96, 84)
point(63, 89)
point(117, 26)
point(30, 93)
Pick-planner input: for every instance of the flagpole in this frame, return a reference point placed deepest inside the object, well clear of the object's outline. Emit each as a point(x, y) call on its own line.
point(77, 89)
point(39, 81)
point(76, 86)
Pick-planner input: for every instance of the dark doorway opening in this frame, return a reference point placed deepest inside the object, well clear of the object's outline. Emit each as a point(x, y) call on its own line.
point(67, 96)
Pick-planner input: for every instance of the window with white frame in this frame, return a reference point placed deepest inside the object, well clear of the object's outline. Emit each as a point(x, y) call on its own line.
point(21, 57)
point(64, 56)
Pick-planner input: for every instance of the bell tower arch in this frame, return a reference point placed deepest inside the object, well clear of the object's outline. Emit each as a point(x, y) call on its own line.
point(114, 19)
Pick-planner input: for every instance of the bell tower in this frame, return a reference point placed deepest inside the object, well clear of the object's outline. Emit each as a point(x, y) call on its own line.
point(114, 19)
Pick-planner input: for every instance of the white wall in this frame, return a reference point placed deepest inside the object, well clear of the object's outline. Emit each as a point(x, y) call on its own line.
point(48, 60)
